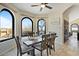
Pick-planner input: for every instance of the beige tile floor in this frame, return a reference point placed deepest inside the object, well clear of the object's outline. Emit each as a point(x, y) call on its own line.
point(70, 48)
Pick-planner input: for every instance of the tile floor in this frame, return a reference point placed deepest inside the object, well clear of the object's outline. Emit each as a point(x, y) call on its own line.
point(70, 48)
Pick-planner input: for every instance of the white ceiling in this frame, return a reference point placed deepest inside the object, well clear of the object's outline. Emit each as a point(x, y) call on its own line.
point(57, 7)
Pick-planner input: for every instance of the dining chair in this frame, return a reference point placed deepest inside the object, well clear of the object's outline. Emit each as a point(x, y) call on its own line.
point(51, 42)
point(42, 45)
point(21, 50)
point(31, 34)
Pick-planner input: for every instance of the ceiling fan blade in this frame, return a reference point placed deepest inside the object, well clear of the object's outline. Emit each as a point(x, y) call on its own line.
point(48, 7)
point(45, 3)
point(41, 9)
point(34, 5)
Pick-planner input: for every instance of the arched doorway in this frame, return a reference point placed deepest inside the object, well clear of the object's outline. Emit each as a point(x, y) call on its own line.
point(74, 27)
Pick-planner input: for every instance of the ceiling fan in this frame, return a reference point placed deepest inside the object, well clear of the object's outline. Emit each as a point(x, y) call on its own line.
point(42, 5)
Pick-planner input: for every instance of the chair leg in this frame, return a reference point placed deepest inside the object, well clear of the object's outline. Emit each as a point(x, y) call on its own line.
point(47, 51)
point(54, 47)
point(28, 52)
point(50, 51)
point(50, 47)
point(21, 54)
point(17, 53)
point(41, 53)
point(33, 52)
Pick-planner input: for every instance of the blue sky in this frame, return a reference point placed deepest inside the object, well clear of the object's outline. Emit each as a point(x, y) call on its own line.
point(26, 23)
point(5, 20)
point(41, 22)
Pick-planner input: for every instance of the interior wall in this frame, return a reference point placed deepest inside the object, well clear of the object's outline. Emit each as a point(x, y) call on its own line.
point(72, 15)
point(55, 25)
point(9, 45)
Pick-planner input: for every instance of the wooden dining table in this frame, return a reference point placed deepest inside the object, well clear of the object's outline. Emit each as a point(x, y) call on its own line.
point(30, 41)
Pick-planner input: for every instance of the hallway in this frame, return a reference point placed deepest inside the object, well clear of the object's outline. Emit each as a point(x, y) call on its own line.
point(70, 48)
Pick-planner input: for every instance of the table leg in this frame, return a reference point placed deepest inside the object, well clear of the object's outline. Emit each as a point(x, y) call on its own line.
point(33, 52)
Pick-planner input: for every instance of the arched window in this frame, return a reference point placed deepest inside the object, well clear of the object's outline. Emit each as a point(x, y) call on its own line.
point(6, 24)
point(74, 27)
point(41, 26)
point(27, 26)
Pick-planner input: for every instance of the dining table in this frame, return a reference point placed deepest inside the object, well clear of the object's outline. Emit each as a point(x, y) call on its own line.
point(30, 41)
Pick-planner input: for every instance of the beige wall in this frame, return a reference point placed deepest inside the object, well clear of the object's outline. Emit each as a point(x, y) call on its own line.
point(55, 24)
point(72, 15)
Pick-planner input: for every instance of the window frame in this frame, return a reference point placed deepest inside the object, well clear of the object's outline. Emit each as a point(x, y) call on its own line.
point(38, 25)
point(21, 24)
point(11, 13)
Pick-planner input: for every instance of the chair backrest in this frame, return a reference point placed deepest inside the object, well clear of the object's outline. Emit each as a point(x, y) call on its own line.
point(44, 43)
point(31, 33)
point(53, 36)
point(19, 50)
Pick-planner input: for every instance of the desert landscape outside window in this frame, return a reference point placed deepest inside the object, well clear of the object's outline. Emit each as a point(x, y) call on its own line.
point(27, 26)
point(6, 24)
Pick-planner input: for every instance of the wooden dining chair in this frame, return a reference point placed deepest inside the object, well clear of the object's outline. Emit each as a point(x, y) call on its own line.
point(51, 42)
point(22, 50)
point(43, 45)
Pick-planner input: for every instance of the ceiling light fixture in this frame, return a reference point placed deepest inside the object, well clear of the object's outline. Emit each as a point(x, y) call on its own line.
point(42, 5)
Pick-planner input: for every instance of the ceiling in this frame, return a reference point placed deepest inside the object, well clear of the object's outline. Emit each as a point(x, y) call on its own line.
point(57, 7)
